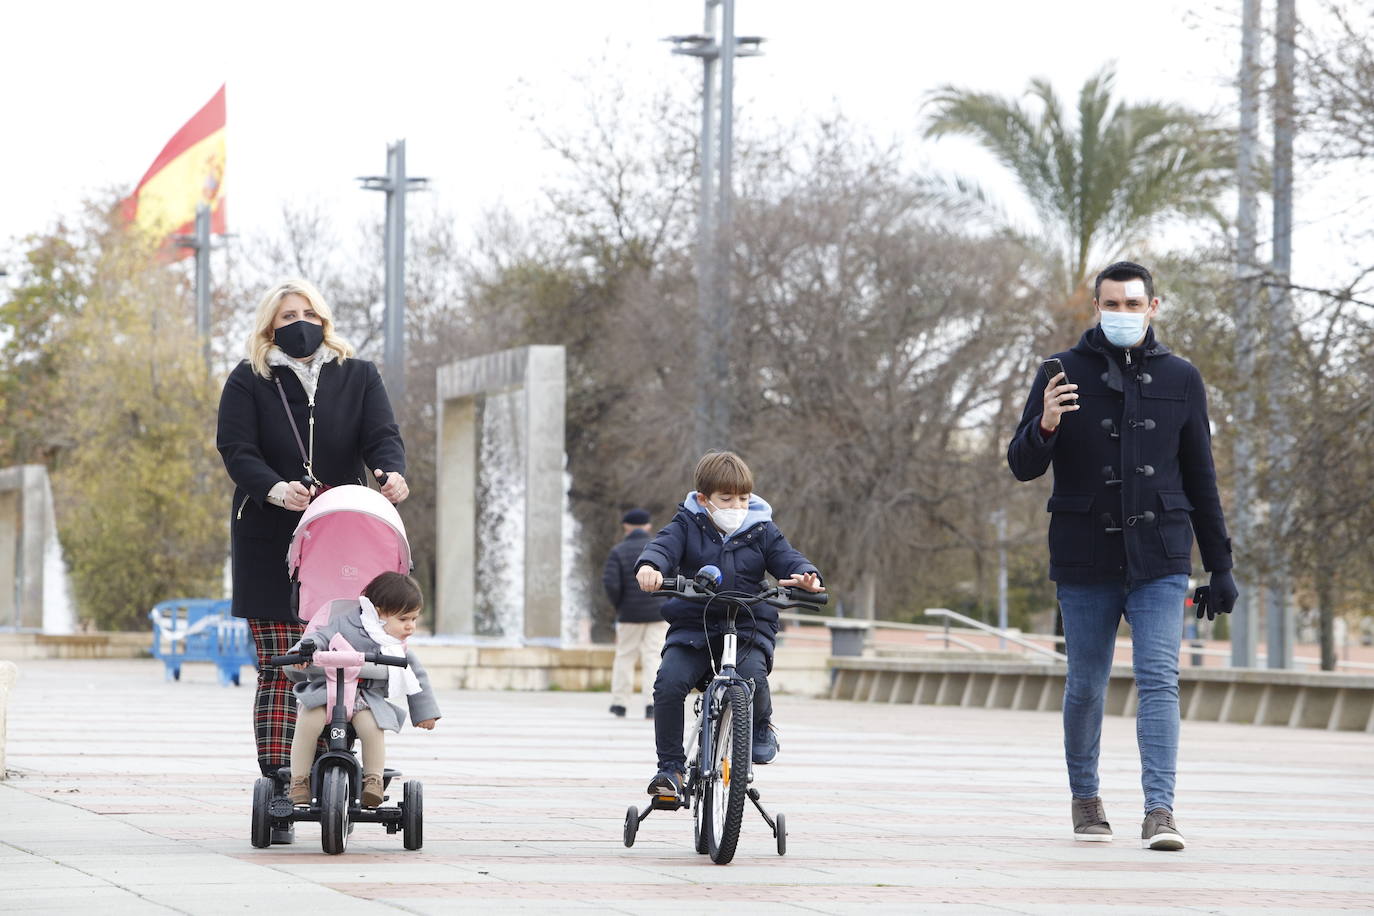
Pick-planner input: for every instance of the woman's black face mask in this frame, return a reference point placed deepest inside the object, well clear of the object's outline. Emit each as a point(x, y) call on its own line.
point(299, 338)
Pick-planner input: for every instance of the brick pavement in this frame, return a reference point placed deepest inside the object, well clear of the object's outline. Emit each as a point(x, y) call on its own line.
point(128, 794)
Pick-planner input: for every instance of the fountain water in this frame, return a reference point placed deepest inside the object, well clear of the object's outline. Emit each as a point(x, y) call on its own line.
point(501, 498)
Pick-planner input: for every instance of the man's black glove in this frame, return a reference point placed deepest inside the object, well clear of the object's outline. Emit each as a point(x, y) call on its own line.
point(1217, 598)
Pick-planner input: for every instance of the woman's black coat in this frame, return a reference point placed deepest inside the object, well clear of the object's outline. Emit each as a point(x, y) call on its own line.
point(1133, 472)
point(355, 432)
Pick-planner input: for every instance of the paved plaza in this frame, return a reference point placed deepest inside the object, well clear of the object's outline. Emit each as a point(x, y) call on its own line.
point(129, 794)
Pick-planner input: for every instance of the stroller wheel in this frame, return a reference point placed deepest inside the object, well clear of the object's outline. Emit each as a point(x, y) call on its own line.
point(413, 815)
point(334, 802)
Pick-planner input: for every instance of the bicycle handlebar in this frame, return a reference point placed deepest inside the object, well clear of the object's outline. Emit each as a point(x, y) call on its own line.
point(682, 587)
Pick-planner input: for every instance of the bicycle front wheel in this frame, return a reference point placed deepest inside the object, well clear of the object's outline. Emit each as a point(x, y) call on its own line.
point(725, 791)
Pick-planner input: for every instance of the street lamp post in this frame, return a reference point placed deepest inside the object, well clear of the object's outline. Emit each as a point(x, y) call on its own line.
point(712, 427)
point(396, 185)
point(199, 242)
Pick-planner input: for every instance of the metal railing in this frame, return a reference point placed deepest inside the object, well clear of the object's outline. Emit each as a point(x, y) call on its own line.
point(1009, 636)
point(1028, 642)
point(948, 637)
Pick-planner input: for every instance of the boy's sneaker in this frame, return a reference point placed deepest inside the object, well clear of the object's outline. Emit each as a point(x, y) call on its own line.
point(766, 744)
point(1160, 832)
point(667, 784)
point(618, 711)
point(1090, 821)
point(300, 790)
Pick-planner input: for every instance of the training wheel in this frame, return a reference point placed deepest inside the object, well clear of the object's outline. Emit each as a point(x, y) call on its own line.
point(631, 825)
point(780, 829)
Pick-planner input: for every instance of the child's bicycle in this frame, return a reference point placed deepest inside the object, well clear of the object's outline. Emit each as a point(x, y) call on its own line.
point(720, 766)
point(337, 776)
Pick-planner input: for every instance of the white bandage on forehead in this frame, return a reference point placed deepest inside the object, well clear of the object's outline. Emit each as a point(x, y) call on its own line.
point(1135, 289)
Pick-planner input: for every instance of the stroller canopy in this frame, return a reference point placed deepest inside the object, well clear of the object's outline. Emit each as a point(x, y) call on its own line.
point(345, 538)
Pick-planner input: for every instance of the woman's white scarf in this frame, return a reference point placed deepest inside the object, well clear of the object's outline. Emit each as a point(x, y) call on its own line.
point(308, 371)
point(400, 681)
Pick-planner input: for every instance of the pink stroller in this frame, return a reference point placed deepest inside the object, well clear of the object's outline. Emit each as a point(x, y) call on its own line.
point(346, 537)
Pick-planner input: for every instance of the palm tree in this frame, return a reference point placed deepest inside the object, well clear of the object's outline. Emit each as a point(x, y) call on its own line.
point(1102, 185)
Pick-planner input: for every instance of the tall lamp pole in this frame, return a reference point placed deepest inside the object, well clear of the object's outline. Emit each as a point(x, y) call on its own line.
point(199, 242)
point(396, 185)
point(717, 46)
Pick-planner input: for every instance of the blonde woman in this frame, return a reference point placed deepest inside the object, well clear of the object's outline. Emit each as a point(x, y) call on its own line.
point(346, 433)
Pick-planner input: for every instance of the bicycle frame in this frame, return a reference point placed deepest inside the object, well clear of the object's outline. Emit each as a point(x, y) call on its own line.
point(710, 698)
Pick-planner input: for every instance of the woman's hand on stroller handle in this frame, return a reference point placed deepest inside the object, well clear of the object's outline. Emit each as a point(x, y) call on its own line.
point(394, 486)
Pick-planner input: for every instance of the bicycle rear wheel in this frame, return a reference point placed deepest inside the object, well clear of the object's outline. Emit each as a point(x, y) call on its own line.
point(724, 794)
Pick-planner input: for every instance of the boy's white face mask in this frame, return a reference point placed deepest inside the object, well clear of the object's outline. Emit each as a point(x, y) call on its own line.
point(727, 520)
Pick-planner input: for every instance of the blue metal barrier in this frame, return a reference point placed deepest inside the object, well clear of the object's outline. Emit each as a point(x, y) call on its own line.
point(201, 630)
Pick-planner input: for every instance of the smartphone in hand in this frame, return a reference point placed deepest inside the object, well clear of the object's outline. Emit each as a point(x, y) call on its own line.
point(1053, 367)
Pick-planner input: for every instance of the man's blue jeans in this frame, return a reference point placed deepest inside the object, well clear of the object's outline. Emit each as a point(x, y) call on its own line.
point(1154, 611)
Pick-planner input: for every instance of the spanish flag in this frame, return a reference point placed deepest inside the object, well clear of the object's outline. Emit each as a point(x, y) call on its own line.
point(189, 171)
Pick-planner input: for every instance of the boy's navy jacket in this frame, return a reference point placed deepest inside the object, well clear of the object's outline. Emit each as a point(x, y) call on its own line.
point(1136, 456)
point(691, 540)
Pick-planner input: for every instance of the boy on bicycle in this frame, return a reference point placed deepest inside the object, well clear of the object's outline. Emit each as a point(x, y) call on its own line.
point(720, 523)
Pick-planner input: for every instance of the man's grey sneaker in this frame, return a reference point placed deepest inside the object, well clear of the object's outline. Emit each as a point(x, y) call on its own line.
point(1090, 821)
point(1159, 831)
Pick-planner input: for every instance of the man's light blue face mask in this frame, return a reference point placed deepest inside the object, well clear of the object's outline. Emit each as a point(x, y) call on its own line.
point(1123, 329)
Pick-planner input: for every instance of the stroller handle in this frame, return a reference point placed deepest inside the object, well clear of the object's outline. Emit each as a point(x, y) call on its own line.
point(336, 659)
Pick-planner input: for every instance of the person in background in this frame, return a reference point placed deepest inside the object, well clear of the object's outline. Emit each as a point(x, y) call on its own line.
point(639, 626)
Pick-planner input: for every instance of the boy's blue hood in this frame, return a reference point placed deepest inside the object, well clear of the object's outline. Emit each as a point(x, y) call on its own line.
point(759, 511)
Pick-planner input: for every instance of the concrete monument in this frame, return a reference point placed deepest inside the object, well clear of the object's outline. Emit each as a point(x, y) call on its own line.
point(34, 592)
point(500, 497)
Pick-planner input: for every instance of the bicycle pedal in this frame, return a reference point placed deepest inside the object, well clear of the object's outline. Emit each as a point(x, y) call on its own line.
point(666, 803)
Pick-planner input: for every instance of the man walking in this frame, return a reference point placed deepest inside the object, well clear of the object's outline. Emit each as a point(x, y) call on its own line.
point(639, 627)
point(1125, 428)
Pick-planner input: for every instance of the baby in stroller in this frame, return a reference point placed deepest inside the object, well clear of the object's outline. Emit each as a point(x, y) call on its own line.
point(381, 619)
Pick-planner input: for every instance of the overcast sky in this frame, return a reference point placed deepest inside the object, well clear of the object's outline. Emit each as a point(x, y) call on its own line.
point(316, 90)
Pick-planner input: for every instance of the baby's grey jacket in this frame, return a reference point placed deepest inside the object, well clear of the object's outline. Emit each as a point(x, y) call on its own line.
point(345, 618)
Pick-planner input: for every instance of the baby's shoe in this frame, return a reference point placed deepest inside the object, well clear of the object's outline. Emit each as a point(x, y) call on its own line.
point(300, 790)
point(372, 790)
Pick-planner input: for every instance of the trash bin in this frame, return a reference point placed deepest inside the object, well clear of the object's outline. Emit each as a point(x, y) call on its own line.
point(849, 637)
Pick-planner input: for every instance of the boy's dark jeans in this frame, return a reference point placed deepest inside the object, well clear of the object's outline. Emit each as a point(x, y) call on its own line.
point(683, 668)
